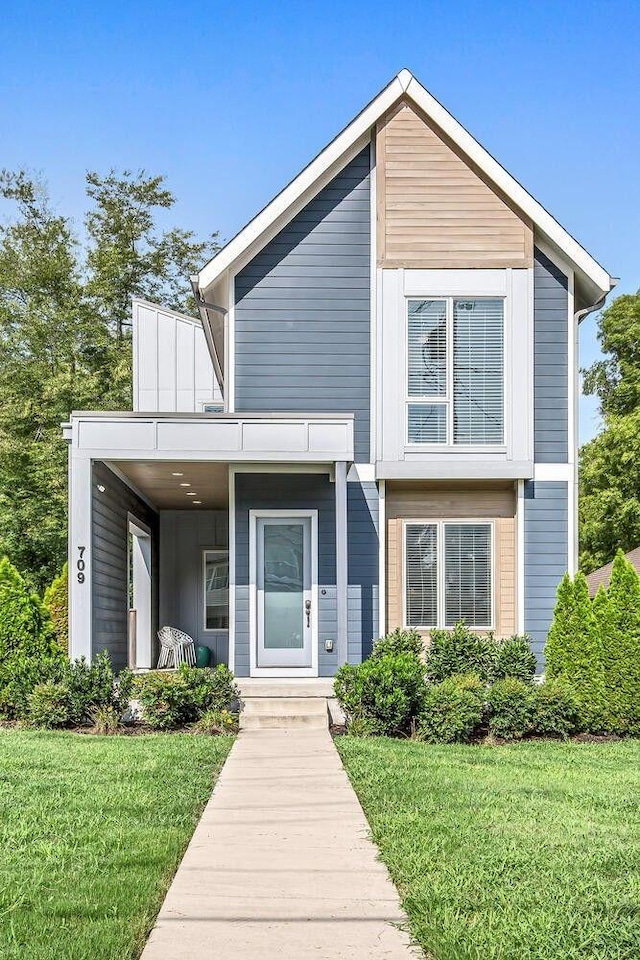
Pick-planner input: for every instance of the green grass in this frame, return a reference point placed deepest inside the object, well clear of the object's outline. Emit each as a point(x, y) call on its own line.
point(91, 832)
point(524, 852)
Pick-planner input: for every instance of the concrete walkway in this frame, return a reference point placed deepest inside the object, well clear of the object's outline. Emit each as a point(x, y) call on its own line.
point(280, 865)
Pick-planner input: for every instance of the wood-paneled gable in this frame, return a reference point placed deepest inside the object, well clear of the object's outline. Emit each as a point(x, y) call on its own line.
point(434, 209)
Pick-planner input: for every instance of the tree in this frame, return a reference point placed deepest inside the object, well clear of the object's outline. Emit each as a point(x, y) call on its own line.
point(65, 339)
point(573, 649)
point(609, 471)
point(619, 628)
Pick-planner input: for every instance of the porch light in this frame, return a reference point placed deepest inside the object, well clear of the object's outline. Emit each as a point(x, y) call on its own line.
point(191, 493)
point(101, 488)
point(196, 501)
point(177, 474)
point(185, 484)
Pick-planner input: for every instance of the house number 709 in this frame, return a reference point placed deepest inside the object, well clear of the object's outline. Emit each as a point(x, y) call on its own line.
point(81, 564)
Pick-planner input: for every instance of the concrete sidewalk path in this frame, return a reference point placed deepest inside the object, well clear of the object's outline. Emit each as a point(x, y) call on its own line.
point(281, 864)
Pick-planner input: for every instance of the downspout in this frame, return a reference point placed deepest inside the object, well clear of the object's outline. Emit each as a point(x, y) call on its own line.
point(203, 307)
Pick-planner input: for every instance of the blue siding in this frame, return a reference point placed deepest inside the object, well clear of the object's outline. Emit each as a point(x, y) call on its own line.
point(551, 360)
point(546, 539)
point(362, 554)
point(315, 492)
point(109, 541)
point(302, 316)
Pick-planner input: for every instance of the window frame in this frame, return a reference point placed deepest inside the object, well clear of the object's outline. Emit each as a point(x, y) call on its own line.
point(448, 401)
point(440, 525)
point(203, 584)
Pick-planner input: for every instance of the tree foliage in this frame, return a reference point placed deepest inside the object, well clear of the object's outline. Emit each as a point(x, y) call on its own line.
point(619, 625)
point(56, 603)
point(610, 463)
point(65, 340)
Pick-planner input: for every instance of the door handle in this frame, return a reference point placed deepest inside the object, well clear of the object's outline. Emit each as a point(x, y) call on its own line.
point(307, 610)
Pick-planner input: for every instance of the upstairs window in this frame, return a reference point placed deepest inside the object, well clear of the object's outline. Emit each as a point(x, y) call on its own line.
point(448, 574)
point(455, 371)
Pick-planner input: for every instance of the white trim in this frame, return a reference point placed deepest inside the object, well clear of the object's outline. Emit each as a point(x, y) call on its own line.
point(572, 428)
point(382, 558)
point(254, 669)
point(232, 570)
point(342, 573)
point(80, 549)
point(139, 574)
point(332, 157)
point(373, 308)
point(284, 467)
point(520, 502)
point(440, 526)
point(364, 472)
point(544, 472)
point(230, 349)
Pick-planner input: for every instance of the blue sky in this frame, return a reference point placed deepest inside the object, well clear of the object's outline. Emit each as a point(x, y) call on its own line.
point(230, 100)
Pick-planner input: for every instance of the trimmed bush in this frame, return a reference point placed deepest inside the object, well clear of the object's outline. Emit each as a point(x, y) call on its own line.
point(461, 651)
point(575, 646)
point(385, 693)
point(511, 704)
point(23, 628)
point(452, 710)
point(399, 641)
point(618, 621)
point(515, 658)
point(555, 710)
point(56, 603)
point(49, 705)
point(91, 686)
point(175, 699)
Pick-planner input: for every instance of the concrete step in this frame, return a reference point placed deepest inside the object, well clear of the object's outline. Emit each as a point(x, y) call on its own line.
point(269, 713)
point(285, 687)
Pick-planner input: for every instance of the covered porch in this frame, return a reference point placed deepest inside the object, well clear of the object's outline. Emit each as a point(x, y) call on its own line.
point(174, 519)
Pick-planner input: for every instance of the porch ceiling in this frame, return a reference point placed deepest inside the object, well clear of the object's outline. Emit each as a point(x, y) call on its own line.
point(165, 483)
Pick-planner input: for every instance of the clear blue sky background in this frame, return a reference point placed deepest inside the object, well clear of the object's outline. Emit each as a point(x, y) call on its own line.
point(230, 100)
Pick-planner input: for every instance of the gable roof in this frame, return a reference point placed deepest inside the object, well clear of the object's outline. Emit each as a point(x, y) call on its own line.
point(592, 279)
point(602, 576)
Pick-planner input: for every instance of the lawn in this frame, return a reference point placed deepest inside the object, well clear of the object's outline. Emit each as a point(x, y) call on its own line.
point(91, 832)
point(516, 852)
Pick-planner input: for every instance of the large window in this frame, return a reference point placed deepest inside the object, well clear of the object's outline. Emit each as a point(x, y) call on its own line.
point(216, 589)
point(448, 574)
point(455, 371)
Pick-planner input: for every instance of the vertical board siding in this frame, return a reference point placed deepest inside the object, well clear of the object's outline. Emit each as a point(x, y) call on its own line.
point(434, 210)
point(302, 313)
point(315, 492)
point(546, 545)
point(551, 362)
point(109, 543)
point(362, 558)
point(183, 537)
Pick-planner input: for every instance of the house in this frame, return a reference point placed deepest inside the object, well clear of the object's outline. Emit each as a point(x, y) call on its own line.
point(602, 576)
point(374, 423)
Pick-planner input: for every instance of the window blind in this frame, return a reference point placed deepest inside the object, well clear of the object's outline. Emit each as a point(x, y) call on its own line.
point(478, 359)
point(421, 574)
point(467, 593)
point(427, 348)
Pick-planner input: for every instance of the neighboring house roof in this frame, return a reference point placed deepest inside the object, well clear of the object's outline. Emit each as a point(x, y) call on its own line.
point(603, 575)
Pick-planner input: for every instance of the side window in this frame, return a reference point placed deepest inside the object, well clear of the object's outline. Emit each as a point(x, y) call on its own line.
point(216, 589)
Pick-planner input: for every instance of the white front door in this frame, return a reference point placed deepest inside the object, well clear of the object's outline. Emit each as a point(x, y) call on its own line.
point(284, 592)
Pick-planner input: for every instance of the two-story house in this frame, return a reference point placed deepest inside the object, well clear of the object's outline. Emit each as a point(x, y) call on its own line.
point(374, 423)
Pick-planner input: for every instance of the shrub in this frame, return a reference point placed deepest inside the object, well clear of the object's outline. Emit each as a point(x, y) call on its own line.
point(399, 641)
point(510, 704)
point(23, 628)
point(574, 648)
point(452, 710)
point(385, 691)
point(19, 674)
point(173, 699)
point(555, 710)
point(56, 603)
point(461, 651)
point(618, 623)
point(106, 720)
point(217, 723)
point(515, 659)
point(90, 686)
point(49, 705)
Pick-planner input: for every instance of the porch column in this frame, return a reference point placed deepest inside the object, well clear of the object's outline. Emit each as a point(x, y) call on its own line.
point(80, 559)
point(342, 578)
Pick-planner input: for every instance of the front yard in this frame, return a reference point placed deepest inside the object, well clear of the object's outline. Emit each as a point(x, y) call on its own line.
point(522, 852)
point(91, 832)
